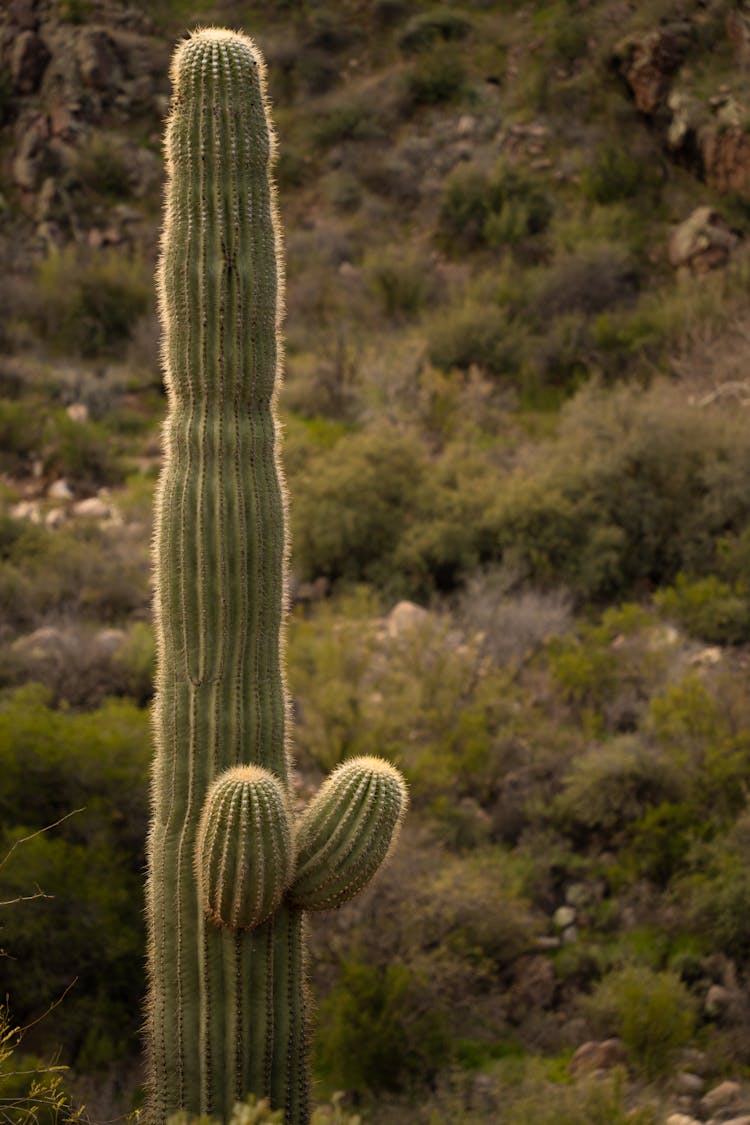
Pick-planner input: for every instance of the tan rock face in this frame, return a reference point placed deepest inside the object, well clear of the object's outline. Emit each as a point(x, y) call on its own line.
point(726, 159)
point(702, 243)
point(28, 62)
point(597, 1055)
point(647, 63)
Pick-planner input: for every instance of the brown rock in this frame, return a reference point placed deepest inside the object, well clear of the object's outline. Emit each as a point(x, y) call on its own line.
point(97, 62)
point(534, 986)
point(726, 159)
point(28, 61)
point(721, 1096)
point(702, 243)
point(647, 63)
point(597, 1055)
point(22, 14)
point(33, 160)
point(738, 31)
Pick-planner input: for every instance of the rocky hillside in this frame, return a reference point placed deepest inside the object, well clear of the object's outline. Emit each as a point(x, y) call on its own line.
point(516, 440)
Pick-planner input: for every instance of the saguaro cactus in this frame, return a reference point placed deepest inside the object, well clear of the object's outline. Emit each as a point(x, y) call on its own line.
point(230, 874)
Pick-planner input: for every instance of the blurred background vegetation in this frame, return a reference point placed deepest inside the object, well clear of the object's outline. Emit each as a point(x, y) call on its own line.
point(516, 441)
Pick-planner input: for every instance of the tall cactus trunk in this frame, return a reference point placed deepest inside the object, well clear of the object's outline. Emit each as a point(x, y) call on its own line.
point(226, 890)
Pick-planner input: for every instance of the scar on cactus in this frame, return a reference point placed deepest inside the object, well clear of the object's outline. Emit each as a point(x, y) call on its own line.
point(231, 873)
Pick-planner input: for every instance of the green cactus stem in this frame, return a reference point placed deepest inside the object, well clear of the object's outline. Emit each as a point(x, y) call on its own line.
point(225, 897)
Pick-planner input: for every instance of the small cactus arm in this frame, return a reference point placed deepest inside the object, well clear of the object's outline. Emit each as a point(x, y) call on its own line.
point(230, 875)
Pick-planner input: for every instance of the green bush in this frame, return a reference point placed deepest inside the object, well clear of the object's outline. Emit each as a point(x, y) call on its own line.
point(82, 451)
point(475, 334)
point(254, 1112)
point(615, 174)
point(714, 896)
point(376, 1031)
point(67, 572)
point(589, 1101)
point(636, 487)
point(347, 121)
point(21, 434)
point(652, 1012)
point(82, 926)
point(436, 78)
point(610, 788)
point(703, 729)
point(102, 168)
point(423, 31)
point(88, 305)
point(503, 208)
point(400, 281)
point(708, 609)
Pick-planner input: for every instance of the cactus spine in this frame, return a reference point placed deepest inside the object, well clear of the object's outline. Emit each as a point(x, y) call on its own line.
point(226, 895)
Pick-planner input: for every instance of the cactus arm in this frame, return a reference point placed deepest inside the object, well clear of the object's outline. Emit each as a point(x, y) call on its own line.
point(346, 832)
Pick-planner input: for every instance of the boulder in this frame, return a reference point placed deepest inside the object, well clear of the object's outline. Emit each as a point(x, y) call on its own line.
point(534, 985)
point(564, 916)
point(726, 159)
point(55, 518)
point(77, 412)
point(647, 63)
point(703, 242)
point(28, 61)
point(597, 1055)
point(27, 510)
point(60, 490)
point(692, 1085)
point(404, 618)
point(721, 1096)
point(22, 15)
point(42, 644)
point(33, 161)
point(93, 508)
point(97, 61)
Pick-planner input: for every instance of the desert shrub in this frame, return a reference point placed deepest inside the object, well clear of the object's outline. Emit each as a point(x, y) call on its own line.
point(354, 504)
point(652, 1012)
point(499, 209)
point(587, 283)
point(67, 572)
point(378, 1031)
point(660, 842)
point(423, 31)
point(32, 1089)
point(346, 121)
point(615, 174)
point(636, 487)
point(21, 434)
point(81, 451)
point(374, 508)
point(343, 191)
point(608, 671)
point(512, 623)
point(708, 609)
point(703, 729)
point(254, 1112)
point(102, 168)
point(588, 1101)
point(88, 873)
point(715, 895)
point(88, 305)
point(436, 78)
point(609, 788)
point(401, 282)
point(475, 334)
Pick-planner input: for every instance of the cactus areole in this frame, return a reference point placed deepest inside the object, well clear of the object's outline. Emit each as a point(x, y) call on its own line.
point(230, 871)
